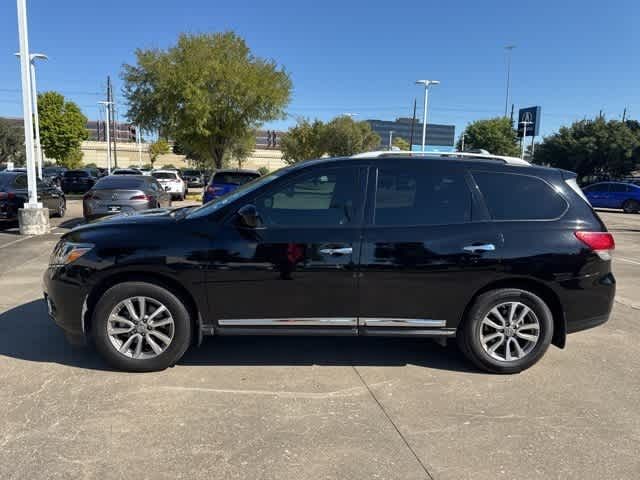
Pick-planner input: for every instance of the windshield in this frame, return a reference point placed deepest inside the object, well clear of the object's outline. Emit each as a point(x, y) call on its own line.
point(76, 173)
point(164, 175)
point(124, 183)
point(218, 203)
point(191, 172)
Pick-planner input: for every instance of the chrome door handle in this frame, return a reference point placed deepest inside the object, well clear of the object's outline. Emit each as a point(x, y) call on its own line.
point(485, 247)
point(337, 251)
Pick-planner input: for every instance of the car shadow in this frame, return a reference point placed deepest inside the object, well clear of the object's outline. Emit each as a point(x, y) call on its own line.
point(72, 223)
point(27, 333)
point(10, 227)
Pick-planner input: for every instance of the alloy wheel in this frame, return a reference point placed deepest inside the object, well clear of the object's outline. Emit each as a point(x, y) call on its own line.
point(510, 331)
point(140, 327)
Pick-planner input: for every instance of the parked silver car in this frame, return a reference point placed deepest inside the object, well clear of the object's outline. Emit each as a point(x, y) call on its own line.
point(124, 194)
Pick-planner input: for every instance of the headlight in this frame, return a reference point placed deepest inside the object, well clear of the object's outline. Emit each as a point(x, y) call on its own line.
point(67, 252)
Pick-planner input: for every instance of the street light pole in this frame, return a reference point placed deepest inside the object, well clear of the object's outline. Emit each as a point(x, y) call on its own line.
point(509, 49)
point(390, 139)
point(107, 107)
point(427, 84)
point(36, 115)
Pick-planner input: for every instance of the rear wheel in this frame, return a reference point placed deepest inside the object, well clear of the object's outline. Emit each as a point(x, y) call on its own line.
point(62, 208)
point(141, 327)
point(506, 330)
point(631, 206)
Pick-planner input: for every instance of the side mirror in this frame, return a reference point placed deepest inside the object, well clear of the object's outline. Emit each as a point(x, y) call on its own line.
point(249, 216)
point(167, 188)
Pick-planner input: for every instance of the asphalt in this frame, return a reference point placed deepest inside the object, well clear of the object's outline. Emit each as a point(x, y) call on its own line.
point(317, 408)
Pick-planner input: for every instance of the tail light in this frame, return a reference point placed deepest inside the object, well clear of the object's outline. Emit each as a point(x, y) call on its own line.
point(140, 197)
point(214, 190)
point(600, 242)
point(7, 195)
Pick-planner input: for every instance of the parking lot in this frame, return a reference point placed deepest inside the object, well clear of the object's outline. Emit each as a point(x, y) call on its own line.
point(278, 408)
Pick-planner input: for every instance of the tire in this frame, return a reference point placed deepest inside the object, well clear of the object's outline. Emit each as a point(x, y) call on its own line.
point(62, 208)
point(631, 206)
point(179, 332)
point(474, 329)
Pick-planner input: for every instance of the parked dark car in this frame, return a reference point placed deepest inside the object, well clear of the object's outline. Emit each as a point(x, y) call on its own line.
point(14, 194)
point(53, 175)
point(621, 195)
point(125, 194)
point(194, 178)
point(79, 181)
point(225, 181)
point(505, 256)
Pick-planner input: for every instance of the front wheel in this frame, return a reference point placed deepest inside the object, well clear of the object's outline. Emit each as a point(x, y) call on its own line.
point(506, 330)
point(141, 327)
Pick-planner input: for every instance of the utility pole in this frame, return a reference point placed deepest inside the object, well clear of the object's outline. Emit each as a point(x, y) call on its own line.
point(413, 123)
point(427, 84)
point(390, 139)
point(512, 110)
point(462, 149)
point(107, 108)
point(509, 49)
point(113, 121)
point(139, 142)
point(624, 115)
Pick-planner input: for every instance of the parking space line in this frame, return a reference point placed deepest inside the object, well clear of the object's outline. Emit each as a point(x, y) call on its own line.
point(16, 241)
point(627, 260)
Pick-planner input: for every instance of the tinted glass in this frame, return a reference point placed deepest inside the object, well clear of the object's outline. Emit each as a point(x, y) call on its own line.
point(165, 175)
point(6, 179)
point(75, 174)
point(598, 187)
point(234, 178)
point(421, 195)
point(120, 182)
point(191, 173)
point(519, 197)
point(327, 197)
point(618, 188)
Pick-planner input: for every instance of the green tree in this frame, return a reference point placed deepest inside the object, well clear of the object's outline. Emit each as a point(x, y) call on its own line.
point(157, 148)
point(592, 147)
point(496, 135)
point(303, 142)
point(343, 136)
point(63, 127)
point(74, 159)
point(207, 92)
point(401, 143)
point(11, 143)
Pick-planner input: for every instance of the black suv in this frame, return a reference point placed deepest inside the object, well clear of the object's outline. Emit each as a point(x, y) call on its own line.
point(505, 256)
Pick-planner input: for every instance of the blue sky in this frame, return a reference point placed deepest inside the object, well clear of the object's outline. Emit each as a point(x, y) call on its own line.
point(573, 57)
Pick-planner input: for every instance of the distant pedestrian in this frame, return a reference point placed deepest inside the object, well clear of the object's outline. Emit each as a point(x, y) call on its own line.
point(274, 141)
point(268, 138)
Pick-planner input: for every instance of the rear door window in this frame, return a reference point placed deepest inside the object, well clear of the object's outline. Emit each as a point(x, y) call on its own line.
point(421, 195)
point(598, 187)
point(618, 188)
point(234, 178)
point(512, 196)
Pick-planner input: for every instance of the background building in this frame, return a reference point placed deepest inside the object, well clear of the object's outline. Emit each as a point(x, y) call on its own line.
point(439, 137)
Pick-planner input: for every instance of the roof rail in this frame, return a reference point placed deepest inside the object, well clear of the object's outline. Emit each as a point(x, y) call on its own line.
point(464, 155)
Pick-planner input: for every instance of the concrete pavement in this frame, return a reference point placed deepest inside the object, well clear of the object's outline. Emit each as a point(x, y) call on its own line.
point(276, 408)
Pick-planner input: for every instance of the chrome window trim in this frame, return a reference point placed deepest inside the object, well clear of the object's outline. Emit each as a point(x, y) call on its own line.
point(289, 322)
point(401, 322)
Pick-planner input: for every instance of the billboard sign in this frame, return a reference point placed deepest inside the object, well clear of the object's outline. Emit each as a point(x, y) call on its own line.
point(531, 118)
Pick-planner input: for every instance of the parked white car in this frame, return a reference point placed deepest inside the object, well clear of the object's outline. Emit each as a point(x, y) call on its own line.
point(171, 182)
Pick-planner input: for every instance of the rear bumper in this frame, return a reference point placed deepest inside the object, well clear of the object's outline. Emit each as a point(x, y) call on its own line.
point(92, 211)
point(588, 302)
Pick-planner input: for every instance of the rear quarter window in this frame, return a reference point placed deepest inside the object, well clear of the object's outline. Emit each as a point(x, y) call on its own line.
point(512, 196)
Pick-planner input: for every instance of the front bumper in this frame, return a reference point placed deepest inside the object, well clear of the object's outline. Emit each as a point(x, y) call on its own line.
point(66, 303)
